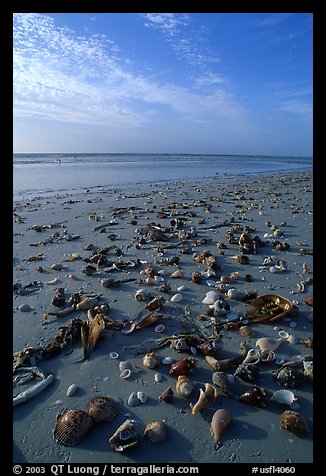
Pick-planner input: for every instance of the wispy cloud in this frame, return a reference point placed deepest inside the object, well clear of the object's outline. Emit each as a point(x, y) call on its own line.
point(61, 76)
point(272, 19)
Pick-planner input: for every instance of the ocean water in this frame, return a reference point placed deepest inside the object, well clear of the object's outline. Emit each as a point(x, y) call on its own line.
point(37, 174)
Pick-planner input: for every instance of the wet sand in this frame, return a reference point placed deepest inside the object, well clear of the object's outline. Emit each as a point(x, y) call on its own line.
point(53, 228)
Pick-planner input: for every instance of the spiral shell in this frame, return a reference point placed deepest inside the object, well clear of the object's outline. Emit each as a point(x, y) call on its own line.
point(201, 403)
point(126, 436)
point(156, 431)
point(71, 427)
point(184, 386)
point(151, 360)
point(182, 366)
point(102, 408)
point(167, 395)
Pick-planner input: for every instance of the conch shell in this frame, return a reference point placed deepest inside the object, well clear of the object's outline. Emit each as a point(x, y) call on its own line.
point(126, 436)
point(151, 360)
point(221, 419)
point(201, 403)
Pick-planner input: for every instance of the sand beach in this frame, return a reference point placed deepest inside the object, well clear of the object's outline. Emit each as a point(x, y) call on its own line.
point(170, 240)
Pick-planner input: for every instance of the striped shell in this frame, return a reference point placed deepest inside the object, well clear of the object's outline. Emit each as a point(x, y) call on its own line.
point(102, 409)
point(71, 427)
point(156, 431)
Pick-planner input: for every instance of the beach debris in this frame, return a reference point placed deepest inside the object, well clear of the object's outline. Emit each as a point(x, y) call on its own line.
point(34, 389)
point(184, 386)
point(247, 332)
point(155, 304)
point(156, 431)
point(59, 299)
point(220, 379)
point(71, 427)
point(247, 372)
point(71, 390)
point(284, 396)
point(208, 347)
point(289, 376)
point(201, 403)
point(167, 395)
point(91, 330)
point(256, 396)
point(179, 344)
point(126, 436)
point(225, 364)
point(220, 421)
point(294, 422)
point(308, 370)
point(183, 366)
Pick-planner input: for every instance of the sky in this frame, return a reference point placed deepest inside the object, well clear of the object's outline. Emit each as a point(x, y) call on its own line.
point(202, 83)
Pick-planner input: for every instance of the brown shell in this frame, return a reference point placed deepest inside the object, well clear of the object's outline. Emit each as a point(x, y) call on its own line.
point(294, 422)
point(270, 307)
point(184, 386)
point(156, 431)
point(220, 420)
point(102, 408)
point(71, 427)
point(167, 395)
point(182, 366)
point(256, 396)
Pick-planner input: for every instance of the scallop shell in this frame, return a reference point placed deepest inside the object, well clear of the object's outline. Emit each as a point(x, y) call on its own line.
point(71, 390)
point(156, 431)
point(286, 397)
point(102, 408)
point(151, 360)
point(71, 427)
point(184, 386)
point(176, 298)
point(126, 436)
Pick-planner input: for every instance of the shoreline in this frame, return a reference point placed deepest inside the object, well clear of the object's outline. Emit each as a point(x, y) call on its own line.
point(208, 207)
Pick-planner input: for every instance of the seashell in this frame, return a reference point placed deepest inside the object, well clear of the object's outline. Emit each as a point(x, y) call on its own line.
point(211, 283)
point(267, 356)
point(181, 288)
point(284, 396)
point(142, 397)
point(168, 360)
point(149, 281)
point(269, 343)
point(151, 360)
point(182, 366)
point(114, 355)
point(148, 320)
point(126, 365)
point(211, 297)
point(159, 328)
point(294, 422)
point(207, 348)
point(226, 279)
point(102, 409)
point(179, 344)
point(220, 420)
point(193, 350)
point(220, 307)
point(154, 304)
point(125, 373)
point(220, 379)
point(25, 308)
point(140, 295)
point(256, 396)
point(184, 386)
point(167, 395)
point(164, 288)
point(211, 391)
point(128, 327)
point(177, 274)
point(176, 298)
point(158, 377)
point(234, 294)
point(71, 390)
point(156, 431)
point(290, 377)
point(133, 400)
point(247, 332)
point(253, 357)
point(292, 339)
point(283, 334)
point(151, 272)
point(71, 427)
point(159, 279)
point(85, 304)
point(195, 277)
point(247, 372)
point(126, 436)
point(308, 370)
point(200, 404)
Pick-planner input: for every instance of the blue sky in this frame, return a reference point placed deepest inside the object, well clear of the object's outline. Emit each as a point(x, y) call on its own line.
point(216, 83)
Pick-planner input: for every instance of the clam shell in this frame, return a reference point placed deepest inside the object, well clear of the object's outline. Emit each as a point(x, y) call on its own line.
point(102, 408)
point(133, 400)
point(156, 431)
point(176, 298)
point(286, 397)
point(71, 390)
point(142, 397)
point(71, 427)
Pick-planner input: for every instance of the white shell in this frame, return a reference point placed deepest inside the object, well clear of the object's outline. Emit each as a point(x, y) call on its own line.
point(193, 350)
point(159, 279)
point(177, 274)
point(293, 324)
point(133, 400)
point(71, 390)
point(159, 328)
point(181, 288)
point(176, 298)
point(168, 360)
point(211, 297)
point(234, 294)
point(114, 355)
point(211, 283)
point(157, 377)
point(273, 269)
point(292, 339)
point(284, 334)
point(125, 373)
point(141, 396)
point(283, 396)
